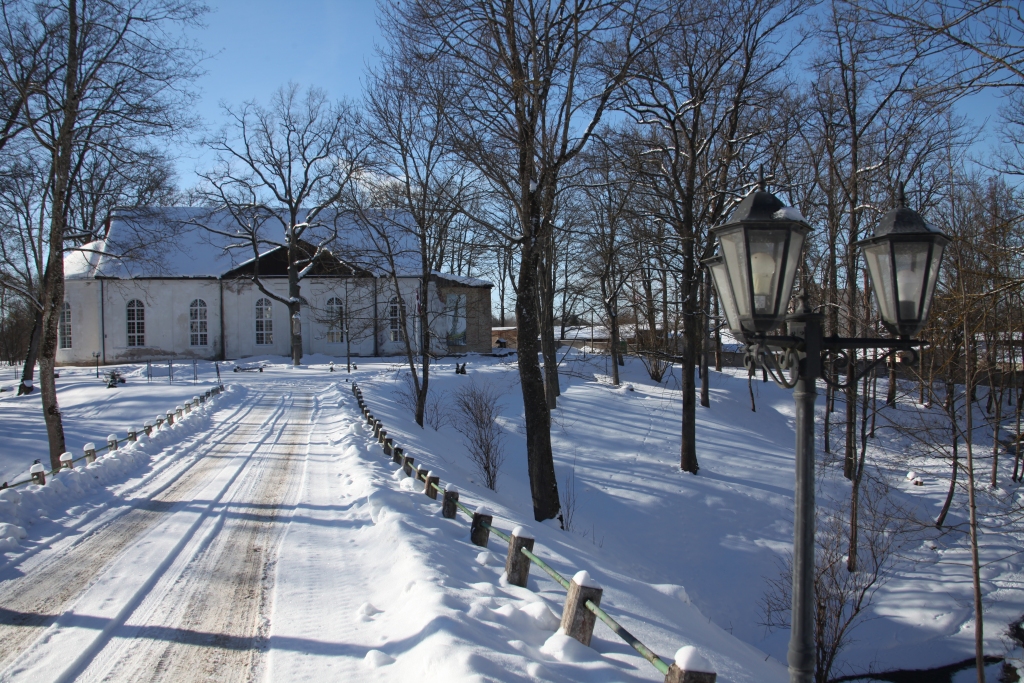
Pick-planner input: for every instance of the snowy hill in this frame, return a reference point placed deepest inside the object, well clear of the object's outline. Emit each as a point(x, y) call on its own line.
point(363, 579)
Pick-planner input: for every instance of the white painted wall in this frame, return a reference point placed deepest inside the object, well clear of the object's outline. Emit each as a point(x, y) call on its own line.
point(167, 304)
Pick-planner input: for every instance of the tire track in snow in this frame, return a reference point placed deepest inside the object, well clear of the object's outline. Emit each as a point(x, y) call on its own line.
point(205, 620)
point(47, 583)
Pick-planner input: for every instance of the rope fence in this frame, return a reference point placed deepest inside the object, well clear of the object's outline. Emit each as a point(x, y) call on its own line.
point(582, 605)
point(67, 460)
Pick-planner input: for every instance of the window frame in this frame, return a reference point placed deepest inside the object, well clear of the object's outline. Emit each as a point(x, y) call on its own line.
point(198, 325)
point(135, 323)
point(264, 322)
point(395, 316)
point(64, 331)
point(335, 320)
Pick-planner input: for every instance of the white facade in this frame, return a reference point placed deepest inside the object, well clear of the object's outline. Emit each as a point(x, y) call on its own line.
point(193, 299)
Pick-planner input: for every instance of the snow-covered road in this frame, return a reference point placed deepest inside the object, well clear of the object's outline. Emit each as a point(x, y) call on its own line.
point(173, 584)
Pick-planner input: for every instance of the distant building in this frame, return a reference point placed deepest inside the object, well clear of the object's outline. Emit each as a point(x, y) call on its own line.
point(159, 286)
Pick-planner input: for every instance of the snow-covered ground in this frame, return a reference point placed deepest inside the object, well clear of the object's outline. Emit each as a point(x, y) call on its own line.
point(341, 569)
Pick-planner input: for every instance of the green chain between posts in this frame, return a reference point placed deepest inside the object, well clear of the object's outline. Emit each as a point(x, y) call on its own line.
point(615, 626)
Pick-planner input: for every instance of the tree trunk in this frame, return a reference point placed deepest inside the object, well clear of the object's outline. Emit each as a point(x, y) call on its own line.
point(294, 305)
point(540, 460)
point(705, 390)
point(53, 275)
point(688, 445)
point(29, 371)
point(979, 628)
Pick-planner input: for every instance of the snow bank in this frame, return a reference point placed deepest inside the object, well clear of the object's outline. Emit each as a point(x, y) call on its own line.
point(415, 599)
point(24, 506)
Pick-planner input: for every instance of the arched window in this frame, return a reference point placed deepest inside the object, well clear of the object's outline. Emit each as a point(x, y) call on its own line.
point(197, 323)
point(64, 326)
point(396, 316)
point(264, 323)
point(136, 317)
point(335, 321)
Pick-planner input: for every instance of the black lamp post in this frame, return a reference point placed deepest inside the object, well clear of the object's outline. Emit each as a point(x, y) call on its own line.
point(760, 249)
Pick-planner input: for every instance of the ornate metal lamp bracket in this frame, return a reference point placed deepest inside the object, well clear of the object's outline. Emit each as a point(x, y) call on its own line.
point(773, 363)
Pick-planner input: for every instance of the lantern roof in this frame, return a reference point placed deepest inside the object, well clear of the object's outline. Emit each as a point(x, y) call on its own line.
point(904, 221)
point(762, 206)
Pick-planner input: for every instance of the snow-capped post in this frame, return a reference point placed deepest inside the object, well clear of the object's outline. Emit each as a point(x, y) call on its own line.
point(421, 472)
point(448, 507)
point(188, 407)
point(388, 442)
point(397, 453)
point(517, 565)
point(690, 667)
point(148, 427)
point(577, 620)
point(195, 401)
point(67, 461)
point(429, 485)
point(90, 452)
point(407, 464)
point(38, 473)
point(480, 527)
point(133, 434)
point(382, 435)
point(377, 426)
point(178, 412)
point(170, 417)
point(112, 442)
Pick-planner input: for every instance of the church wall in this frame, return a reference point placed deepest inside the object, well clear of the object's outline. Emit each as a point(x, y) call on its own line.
point(166, 329)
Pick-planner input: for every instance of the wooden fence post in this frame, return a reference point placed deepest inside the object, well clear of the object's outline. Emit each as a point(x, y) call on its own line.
point(517, 565)
point(448, 507)
point(90, 452)
point(112, 441)
point(429, 483)
point(690, 667)
point(38, 473)
point(133, 434)
point(170, 417)
point(188, 407)
point(421, 472)
point(178, 412)
point(387, 446)
point(478, 532)
point(66, 461)
point(397, 454)
point(148, 427)
point(407, 463)
point(382, 435)
point(577, 620)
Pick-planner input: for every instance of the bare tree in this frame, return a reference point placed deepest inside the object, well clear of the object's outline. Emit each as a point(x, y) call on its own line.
point(698, 99)
point(476, 412)
point(117, 74)
point(530, 83)
point(281, 171)
point(418, 198)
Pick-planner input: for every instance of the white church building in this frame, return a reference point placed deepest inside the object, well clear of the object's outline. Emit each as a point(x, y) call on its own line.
point(160, 286)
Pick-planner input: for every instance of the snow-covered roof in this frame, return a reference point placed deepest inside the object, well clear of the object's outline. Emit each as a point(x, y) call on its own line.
point(174, 242)
point(163, 242)
point(462, 279)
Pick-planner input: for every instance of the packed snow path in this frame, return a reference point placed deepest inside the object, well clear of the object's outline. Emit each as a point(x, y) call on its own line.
point(176, 586)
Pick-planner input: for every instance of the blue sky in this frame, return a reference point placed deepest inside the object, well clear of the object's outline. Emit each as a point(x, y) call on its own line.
point(255, 46)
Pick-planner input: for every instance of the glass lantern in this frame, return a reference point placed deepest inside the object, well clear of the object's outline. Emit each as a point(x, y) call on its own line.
point(761, 247)
point(903, 259)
